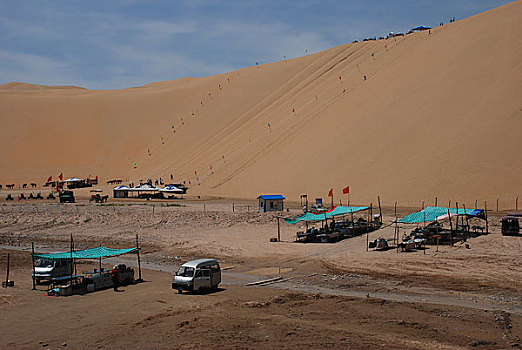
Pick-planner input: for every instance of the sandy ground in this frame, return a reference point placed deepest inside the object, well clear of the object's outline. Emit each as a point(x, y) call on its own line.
point(335, 296)
point(152, 316)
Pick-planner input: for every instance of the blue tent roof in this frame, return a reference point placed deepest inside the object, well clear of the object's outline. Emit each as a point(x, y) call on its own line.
point(421, 28)
point(271, 196)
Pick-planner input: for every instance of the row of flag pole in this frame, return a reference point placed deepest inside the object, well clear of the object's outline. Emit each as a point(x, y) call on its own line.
point(346, 190)
point(50, 178)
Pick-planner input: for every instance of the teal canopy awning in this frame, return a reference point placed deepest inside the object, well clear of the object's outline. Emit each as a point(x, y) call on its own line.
point(335, 211)
point(430, 214)
point(93, 253)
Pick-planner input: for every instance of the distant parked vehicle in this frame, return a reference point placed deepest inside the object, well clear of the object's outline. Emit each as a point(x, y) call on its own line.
point(511, 224)
point(67, 197)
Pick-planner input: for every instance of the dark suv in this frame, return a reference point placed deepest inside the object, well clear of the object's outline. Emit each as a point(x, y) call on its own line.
point(67, 196)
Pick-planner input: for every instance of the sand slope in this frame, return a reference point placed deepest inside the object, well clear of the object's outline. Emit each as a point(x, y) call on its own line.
point(440, 114)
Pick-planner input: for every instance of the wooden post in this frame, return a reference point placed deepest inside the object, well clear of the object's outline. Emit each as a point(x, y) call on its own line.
point(486, 215)
point(457, 221)
point(7, 274)
point(516, 204)
point(32, 258)
point(422, 205)
point(233, 208)
point(72, 261)
point(438, 235)
point(451, 226)
point(204, 207)
point(367, 239)
point(497, 205)
point(380, 209)
point(153, 209)
point(139, 261)
point(100, 262)
point(396, 223)
point(278, 230)
point(467, 220)
point(436, 201)
point(476, 200)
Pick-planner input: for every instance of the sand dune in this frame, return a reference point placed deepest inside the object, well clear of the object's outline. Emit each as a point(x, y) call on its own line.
point(439, 114)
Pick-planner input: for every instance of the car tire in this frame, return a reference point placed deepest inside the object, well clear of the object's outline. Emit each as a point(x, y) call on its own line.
point(180, 291)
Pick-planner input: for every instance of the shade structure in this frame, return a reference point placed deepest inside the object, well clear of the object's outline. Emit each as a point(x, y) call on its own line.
point(335, 211)
point(144, 187)
point(93, 253)
point(171, 189)
point(429, 214)
point(74, 179)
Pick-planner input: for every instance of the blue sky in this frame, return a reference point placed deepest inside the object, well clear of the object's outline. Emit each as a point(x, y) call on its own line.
point(119, 44)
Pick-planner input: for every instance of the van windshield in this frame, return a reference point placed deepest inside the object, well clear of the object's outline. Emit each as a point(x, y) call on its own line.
point(185, 271)
point(44, 263)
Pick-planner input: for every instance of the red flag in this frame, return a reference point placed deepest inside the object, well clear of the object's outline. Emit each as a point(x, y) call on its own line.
point(60, 176)
point(330, 194)
point(346, 190)
point(50, 178)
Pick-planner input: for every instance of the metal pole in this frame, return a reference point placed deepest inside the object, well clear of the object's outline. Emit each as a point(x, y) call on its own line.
point(436, 201)
point(139, 261)
point(100, 262)
point(516, 204)
point(32, 258)
point(497, 205)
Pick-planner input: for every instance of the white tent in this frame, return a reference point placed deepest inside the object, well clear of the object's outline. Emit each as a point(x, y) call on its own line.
point(171, 189)
point(73, 179)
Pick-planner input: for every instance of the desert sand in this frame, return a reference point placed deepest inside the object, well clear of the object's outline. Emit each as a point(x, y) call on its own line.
point(439, 115)
point(333, 295)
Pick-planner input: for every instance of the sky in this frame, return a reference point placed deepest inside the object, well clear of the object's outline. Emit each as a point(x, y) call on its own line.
point(125, 43)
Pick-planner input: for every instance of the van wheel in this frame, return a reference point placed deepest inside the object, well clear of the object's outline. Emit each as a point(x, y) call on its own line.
point(180, 291)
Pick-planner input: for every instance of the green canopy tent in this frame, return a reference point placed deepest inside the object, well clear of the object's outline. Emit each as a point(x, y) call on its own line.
point(336, 211)
point(91, 253)
point(430, 214)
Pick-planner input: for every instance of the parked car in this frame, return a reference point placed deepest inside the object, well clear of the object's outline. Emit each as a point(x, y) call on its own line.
point(46, 270)
point(197, 275)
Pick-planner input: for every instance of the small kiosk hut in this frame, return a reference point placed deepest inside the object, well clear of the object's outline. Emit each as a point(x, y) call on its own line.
point(271, 202)
point(121, 191)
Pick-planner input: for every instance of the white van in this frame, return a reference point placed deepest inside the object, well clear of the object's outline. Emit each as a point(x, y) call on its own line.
point(45, 270)
point(198, 275)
